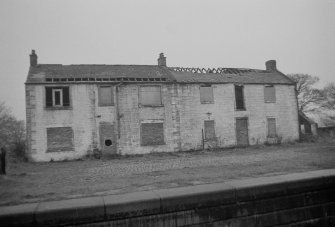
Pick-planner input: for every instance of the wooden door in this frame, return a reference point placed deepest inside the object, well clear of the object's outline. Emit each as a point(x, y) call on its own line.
point(107, 138)
point(242, 132)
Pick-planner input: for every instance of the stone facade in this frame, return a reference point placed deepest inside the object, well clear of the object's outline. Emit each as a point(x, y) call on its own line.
point(181, 113)
point(76, 110)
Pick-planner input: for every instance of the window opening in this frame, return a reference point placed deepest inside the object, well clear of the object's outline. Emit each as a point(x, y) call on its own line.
point(239, 97)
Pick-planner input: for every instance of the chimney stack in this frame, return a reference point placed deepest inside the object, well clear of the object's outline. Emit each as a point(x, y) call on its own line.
point(33, 58)
point(161, 60)
point(271, 65)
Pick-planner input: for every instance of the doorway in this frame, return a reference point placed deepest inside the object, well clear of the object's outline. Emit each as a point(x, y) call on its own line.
point(242, 138)
point(107, 138)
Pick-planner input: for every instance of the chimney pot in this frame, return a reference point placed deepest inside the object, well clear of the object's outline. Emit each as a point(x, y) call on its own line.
point(33, 58)
point(271, 65)
point(161, 60)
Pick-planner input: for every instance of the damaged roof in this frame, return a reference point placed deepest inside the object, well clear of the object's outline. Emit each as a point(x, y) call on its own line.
point(51, 73)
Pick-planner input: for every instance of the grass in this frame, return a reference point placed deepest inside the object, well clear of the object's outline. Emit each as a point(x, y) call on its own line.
point(33, 182)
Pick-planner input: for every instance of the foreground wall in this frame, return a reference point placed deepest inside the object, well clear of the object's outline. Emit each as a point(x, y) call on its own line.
point(302, 199)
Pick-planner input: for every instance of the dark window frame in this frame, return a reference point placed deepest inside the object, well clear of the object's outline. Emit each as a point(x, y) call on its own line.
point(266, 99)
point(239, 101)
point(50, 94)
point(212, 94)
point(112, 103)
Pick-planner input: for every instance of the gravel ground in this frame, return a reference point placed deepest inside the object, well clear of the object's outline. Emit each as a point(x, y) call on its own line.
point(31, 182)
point(205, 159)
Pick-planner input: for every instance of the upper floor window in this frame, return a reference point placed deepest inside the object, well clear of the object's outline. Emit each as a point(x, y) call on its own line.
point(269, 93)
point(106, 97)
point(206, 94)
point(150, 95)
point(239, 97)
point(57, 97)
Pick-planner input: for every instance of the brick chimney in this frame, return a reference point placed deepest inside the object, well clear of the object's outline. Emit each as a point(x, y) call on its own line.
point(33, 58)
point(271, 65)
point(161, 60)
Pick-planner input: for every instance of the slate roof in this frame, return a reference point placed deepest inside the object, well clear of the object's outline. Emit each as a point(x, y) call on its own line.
point(50, 73)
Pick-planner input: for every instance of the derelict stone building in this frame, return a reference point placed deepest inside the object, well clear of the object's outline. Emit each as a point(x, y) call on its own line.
point(72, 110)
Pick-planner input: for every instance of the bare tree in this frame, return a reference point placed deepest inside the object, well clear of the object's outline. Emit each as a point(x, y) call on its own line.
point(309, 98)
point(12, 131)
point(329, 94)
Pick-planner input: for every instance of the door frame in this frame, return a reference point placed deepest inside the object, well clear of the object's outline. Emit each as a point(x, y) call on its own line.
point(101, 139)
point(242, 118)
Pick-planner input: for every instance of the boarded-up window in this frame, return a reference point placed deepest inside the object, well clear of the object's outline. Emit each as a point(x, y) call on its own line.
point(269, 94)
point(152, 134)
point(206, 94)
point(239, 97)
point(150, 96)
point(209, 130)
point(60, 139)
point(57, 96)
point(272, 127)
point(106, 97)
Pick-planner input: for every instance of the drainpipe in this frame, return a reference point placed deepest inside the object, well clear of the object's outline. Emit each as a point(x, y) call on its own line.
point(117, 114)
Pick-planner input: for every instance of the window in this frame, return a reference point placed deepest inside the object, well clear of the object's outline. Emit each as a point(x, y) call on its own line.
point(239, 97)
point(269, 94)
point(308, 128)
point(106, 97)
point(57, 97)
point(59, 139)
point(150, 96)
point(206, 94)
point(209, 130)
point(272, 128)
point(152, 134)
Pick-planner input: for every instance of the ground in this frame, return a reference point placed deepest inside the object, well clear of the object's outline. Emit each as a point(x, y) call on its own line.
point(32, 182)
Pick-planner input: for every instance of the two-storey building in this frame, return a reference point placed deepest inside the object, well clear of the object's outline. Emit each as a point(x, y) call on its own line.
point(72, 110)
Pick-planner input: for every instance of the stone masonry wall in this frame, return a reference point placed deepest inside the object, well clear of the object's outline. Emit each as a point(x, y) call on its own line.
point(295, 200)
point(182, 116)
point(83, 116)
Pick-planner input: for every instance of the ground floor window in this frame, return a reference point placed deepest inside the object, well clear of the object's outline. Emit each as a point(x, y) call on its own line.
point(152, 134)
point(59, 139)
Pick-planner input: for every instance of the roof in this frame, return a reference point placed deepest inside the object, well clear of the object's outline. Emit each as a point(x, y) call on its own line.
point(303, 118)
point(50, 73)
point(324, 119)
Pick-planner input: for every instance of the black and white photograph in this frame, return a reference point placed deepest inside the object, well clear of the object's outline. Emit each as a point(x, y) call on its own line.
point(167, 113)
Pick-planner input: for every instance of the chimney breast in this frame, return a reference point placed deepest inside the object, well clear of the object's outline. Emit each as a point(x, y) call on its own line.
point(271, 65)
point(33, 58)
point(161, 60)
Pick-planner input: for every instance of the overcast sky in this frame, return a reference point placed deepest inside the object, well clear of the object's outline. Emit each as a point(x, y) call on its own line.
point(299, 34)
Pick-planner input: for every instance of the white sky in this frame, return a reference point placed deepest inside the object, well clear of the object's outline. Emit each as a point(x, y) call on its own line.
point(299, 34)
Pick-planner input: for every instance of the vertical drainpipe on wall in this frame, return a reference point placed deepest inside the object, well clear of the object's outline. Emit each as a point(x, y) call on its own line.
point(95, 127)
point(117, 114)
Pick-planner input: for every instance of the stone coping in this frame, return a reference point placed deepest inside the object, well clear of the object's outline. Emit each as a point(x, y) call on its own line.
point(112, 207)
